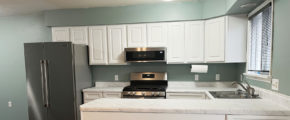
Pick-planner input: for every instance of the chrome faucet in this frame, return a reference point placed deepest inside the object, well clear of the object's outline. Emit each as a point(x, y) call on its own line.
point(248, 89)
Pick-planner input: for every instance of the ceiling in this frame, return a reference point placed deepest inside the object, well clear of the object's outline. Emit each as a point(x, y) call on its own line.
point(12, 7)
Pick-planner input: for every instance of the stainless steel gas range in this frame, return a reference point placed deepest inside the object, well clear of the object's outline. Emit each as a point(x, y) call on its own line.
point(146, 85)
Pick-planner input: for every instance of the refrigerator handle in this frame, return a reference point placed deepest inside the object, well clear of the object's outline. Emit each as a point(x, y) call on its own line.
point(42, 82)
point(45, 71)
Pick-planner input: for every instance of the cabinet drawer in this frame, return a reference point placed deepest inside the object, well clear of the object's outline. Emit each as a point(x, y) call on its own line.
point(185, 95)
point(88, 100)
point(93, 96)
point(112, 95)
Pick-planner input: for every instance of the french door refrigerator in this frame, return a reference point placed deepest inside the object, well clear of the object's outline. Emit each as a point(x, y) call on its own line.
point(56, 72)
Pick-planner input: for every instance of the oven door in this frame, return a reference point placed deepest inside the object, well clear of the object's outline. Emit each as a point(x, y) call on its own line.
point(145, 54)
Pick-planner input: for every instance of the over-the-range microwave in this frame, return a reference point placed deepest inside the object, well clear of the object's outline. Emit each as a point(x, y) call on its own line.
point(149, 54)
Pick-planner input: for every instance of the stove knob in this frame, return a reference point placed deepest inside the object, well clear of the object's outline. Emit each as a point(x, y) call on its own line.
point(133, 93)
point(128, 93)
point(143, 93)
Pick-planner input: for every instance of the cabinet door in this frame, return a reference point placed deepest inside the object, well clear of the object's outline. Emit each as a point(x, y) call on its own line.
point(136, 35)
point(79, 35)
point(252, 117)
point(98, 45)
point(176, 42)
point(215, 40)
point(112, 94)
point(186, 95)
point(194, 41)
point(60, 34)
point(117, 43)
point(90, 96)
point(147, 116)
point(157, 34)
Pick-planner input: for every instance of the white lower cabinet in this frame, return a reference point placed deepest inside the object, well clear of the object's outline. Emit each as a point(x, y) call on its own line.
point(112, 95)
point(90, 96)
point(185, 95)
point(147, 116)
point(252, 117)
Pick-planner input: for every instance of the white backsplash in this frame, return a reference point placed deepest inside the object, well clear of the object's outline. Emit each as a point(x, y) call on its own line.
point(111, 84)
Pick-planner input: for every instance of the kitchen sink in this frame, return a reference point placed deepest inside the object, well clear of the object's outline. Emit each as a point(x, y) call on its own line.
point(239, 94)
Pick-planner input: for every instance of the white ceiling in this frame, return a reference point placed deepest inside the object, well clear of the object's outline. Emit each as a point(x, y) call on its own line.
point(12, 7)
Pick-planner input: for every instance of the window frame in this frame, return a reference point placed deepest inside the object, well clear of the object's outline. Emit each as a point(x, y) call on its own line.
point(248, 74)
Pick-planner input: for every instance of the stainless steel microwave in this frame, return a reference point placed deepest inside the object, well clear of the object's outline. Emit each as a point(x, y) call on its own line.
point(150, 54)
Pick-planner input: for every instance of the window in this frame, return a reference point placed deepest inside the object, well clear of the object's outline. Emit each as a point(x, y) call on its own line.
point(260, 42)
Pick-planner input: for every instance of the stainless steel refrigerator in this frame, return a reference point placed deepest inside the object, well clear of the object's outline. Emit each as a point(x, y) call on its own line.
point(56, 72)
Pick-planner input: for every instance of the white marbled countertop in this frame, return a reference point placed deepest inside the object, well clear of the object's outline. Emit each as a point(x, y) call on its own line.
point(210, 106)
point(217, 106)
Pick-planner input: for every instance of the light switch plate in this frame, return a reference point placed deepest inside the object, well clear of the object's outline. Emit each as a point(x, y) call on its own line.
point(196, 77)
point(9, 104)
point(217, 76)
point(275, 84)
point(116, 77)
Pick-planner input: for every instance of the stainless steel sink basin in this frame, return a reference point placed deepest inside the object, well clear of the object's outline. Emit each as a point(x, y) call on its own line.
point(233, 95)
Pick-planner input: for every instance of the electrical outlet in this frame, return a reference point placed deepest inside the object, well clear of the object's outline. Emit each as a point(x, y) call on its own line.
point(9, 104)
point(275, 84)
point(196, 77)
point(217, 76)
point(116, 77)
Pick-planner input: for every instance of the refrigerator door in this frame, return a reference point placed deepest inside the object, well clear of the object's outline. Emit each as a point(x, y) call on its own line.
point(61, 84)
point(34, 76)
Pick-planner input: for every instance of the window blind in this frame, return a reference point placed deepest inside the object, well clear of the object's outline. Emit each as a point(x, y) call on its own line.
point(261, 41)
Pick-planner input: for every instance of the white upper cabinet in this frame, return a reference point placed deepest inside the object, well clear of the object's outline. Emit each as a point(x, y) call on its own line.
point(156, 35)
point(194, 42)
point(60, 34)
point(225, 39)
point(214, 40)
point(98, 45)
point(217, 40)
point(176, 42)
point(79, 35)
point(136, 35)
point(116, 44)
point(76, 35)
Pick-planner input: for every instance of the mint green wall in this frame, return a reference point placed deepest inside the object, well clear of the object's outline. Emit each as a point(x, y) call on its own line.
point(166, 11)
point(236, 9)
point(14, 31)
point(213, 8)
point(230, 3)
point(171, 11)
point(281, 42)
point(228, 72)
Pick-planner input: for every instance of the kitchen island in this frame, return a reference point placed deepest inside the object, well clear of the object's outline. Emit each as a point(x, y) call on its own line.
point(272, 106)
point(175, 109)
